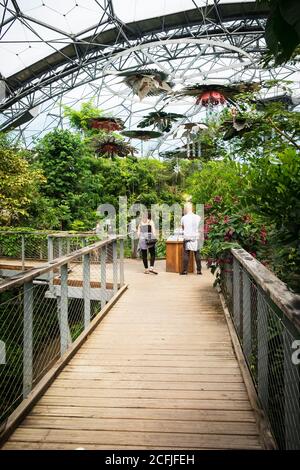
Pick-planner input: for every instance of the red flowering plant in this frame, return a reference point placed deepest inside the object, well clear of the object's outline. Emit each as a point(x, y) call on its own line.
point(229, 226)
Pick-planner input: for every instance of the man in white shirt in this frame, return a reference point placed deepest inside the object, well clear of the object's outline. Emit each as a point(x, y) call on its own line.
point(190, 224)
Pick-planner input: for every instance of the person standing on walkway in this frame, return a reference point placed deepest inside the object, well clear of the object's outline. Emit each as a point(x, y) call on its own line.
point(147, 240)
point(190, 224)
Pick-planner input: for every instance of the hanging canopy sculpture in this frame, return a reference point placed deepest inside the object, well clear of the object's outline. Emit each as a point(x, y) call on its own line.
point(215, 94)
point(107, 124)
point(177, 153)
point(147, 82)
point(160, 120)
point(180, 153)
point(189, 130)
point(142, 136)
point(112, 147)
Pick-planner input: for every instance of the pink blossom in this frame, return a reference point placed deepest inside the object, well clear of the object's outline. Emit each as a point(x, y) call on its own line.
point(247, 218)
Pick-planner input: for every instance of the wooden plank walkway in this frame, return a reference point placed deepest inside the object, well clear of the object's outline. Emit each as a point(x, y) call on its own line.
point(159, 372)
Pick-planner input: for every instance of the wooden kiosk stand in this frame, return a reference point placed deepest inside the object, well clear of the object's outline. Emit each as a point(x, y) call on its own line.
point(174, 256)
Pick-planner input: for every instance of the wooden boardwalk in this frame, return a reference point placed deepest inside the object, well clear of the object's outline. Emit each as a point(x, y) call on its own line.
point(159, 372)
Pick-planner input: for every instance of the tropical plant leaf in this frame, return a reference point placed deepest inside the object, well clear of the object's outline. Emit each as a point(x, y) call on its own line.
point(282, 32)
point(290, 11)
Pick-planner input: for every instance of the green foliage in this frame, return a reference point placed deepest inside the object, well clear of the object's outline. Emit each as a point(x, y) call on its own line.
point(259, 180)
point(35, 242)
point(269, 128)
point(79, 119)
point(282, 32)
point(250, 185)
point(77, 182)
point(61, 156)
point(221, 186)
point(18, 184)
point(145, 181)
point(5, 141)
point(223, 178)
point(274, 194)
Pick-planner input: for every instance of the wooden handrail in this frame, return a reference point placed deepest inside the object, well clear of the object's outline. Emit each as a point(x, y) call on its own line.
point(54, 234)
point(24, 232)
point(72, 235)
point(28, 276)
point(279, 293)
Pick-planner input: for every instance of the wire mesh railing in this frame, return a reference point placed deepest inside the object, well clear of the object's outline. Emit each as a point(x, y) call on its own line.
point(63, 243)
point(26, 247)
point(266, 316)
point(43, 311)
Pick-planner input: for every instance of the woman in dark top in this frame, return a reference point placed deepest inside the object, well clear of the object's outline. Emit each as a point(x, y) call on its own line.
point(147, 239)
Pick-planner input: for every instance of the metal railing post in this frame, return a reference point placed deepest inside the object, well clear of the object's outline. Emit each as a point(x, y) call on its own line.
point(28, 339)
point(291, 396)
point(262, 351)
point(86, 290)
point(50, 245)
point(23, 252)
point(64, 329)
point(103, 275)
point(121, 262)
point(50, 248)
point(115, 267)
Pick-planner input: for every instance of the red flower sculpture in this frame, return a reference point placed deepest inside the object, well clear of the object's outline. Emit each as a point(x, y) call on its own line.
point(213, 98)
point(108, 126)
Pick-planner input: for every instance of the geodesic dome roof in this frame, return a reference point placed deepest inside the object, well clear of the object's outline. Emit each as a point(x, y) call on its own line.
point(67, 52)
